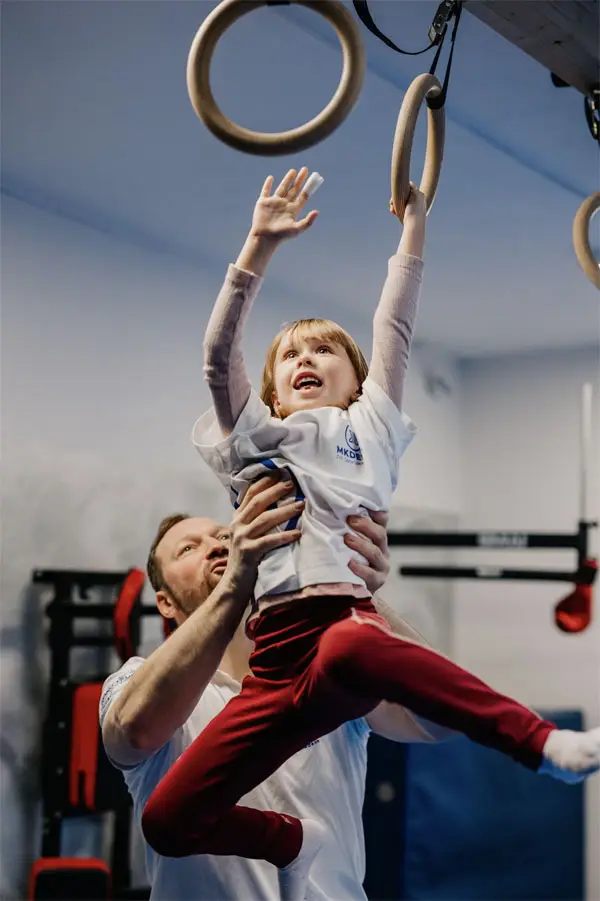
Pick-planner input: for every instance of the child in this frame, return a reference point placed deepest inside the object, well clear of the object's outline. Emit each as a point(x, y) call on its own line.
point(322, 654)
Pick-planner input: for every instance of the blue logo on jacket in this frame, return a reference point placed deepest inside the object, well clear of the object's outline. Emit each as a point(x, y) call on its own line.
point(352, 452)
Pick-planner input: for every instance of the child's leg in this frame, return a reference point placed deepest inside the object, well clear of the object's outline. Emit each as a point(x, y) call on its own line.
point(194, 809)
point(361, 656)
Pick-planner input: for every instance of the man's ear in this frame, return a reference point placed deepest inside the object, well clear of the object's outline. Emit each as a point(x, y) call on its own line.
point(165, 605)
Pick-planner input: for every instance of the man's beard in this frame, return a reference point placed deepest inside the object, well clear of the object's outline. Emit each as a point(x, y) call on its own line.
point(188, 601)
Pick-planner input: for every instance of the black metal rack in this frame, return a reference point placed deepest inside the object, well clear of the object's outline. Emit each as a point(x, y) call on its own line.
point(63, 611)
point(584, 573)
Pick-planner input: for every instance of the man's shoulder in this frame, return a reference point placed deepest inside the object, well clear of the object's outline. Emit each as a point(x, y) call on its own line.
point(125, 671)
point(357, 729)
point(113, 685)
point(351, 735)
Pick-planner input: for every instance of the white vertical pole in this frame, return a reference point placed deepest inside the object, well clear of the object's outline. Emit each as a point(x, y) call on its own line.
point(586, 442)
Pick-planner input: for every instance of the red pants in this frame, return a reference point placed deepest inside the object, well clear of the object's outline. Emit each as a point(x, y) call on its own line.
point(317, 663)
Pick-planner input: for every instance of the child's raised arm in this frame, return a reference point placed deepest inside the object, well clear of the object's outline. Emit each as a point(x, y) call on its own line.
point(274, 221)
point(395, 315)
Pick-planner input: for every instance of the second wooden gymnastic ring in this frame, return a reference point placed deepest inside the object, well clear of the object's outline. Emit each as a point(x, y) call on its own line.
point(296, 139)
point(422, 87)
point(581, 238)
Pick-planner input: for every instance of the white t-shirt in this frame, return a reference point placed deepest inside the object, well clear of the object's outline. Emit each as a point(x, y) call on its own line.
point(325, 781)
point(344, 462)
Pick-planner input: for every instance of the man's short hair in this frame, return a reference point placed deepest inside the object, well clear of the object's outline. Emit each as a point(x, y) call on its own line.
point(153, 567)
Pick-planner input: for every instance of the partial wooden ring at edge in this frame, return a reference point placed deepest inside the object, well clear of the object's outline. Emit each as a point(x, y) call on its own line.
point(581, 238)
point(274, 144)
point(403, 141)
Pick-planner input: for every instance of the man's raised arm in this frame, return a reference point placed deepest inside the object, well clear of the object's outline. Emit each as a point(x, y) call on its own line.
point(161, 694)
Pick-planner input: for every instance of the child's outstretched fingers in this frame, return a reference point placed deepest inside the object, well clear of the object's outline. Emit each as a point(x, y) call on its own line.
point(299, 185)
point(275, 214)
point(305, 223)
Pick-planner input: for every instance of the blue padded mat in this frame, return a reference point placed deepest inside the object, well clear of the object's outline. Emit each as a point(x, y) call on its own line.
point(456, 822)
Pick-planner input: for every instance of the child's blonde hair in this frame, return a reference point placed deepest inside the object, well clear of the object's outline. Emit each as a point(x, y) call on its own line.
point(326, 329)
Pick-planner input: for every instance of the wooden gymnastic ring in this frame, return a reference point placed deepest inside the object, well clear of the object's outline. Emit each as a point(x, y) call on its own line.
point(274, 144)
point(420, 88)
point(581, 238)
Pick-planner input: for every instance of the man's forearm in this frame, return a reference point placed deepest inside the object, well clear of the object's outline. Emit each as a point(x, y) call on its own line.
point(389, 722)
point(163, 692)
point(398, 625)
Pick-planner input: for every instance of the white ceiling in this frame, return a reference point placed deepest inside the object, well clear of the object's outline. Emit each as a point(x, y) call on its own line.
point(97, 126)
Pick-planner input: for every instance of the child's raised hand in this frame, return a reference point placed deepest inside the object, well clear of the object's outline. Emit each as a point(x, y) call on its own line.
point(275, 215)
point(416, 205)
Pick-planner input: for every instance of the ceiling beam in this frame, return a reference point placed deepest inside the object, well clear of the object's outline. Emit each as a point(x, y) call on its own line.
point(562, 35)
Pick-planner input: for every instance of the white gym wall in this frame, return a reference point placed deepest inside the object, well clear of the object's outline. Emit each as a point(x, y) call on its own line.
point(521, 471)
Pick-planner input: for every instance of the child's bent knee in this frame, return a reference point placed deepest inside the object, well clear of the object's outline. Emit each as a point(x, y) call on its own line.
point(339, 649)
point(170, 836)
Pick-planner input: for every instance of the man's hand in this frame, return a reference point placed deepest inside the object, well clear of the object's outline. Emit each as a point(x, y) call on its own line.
point(372, 544)
point(251, 534)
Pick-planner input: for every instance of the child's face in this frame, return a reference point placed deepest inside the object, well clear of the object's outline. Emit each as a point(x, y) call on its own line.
point(312, 371)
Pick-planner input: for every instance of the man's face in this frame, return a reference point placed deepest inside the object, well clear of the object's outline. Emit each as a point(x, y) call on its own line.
point(193, 556)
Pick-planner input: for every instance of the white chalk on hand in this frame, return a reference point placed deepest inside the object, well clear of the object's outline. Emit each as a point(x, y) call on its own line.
point(313, 183)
